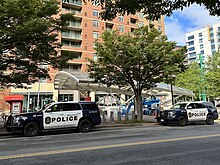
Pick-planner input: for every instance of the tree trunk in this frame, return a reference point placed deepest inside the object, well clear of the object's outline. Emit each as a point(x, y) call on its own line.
point(138, 104)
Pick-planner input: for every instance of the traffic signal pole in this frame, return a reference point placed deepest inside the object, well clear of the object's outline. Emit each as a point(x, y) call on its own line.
point(202, 94)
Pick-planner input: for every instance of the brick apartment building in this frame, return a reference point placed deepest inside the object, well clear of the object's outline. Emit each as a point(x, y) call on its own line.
point(79, 39)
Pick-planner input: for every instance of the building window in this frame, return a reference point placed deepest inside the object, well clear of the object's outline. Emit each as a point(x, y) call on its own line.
point(141, 24)
point(160, 28)
point(120, 18)
point(95, 13)
point(212, 41)
point(96, 35)
point(141, 16)
point(211, 29)
point(201, 46)
point(202, 52)
point(94, 45)
point(213, 47)
point(95, 23)
point(95, 2)
point(219, 29)
point(121, 28)
point(191, 49)
point(192, 54)
point(65, 97)
point(95, 58)
point(200, 34)
point(191, 37)
point(212, 35)
point(200, 40)
point(190, 43)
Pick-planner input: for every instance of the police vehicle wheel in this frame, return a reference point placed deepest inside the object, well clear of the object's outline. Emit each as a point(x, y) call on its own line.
point(84, 126)
point(31, 129)
point(210, 120)
point(182, 121)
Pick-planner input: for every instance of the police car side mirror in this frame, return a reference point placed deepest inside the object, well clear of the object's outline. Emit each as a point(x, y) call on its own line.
point(189, 107)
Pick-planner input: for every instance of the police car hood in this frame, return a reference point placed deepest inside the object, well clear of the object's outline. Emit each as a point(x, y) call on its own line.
point(26, 114)
point(174, 109)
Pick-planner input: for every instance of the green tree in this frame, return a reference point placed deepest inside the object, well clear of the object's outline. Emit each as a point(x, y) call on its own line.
point(190, 79)
point(139, 60)
point(28, 38)
point(213, 75)
point(153, 9)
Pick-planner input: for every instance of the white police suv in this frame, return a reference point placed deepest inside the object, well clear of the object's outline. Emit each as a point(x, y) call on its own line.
point(189, 112)
point(59, 115)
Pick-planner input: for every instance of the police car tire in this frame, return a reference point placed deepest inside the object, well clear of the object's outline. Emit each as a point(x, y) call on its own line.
point(210, 120)
point(84, 126)
point(31, 129)
point(181, 121)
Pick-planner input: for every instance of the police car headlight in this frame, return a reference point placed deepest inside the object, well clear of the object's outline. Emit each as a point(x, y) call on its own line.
point(19, 119)
point(172, 114)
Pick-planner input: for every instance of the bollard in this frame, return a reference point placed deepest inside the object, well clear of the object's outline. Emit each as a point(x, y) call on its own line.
point(133, 115)
point(126, 116)
point(104, 116)
point(119, 115)
point(111, 116)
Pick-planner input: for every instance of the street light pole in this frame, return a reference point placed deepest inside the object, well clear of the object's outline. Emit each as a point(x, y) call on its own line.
point(202, 80)
point(171, 88)
point(38, 94)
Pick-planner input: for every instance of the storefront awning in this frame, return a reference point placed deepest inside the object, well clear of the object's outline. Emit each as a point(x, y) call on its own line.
point(81, 81)
point(14, 98)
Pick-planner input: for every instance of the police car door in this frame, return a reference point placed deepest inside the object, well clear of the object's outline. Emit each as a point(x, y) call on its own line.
point(191, 111)
point(52, 117)
point(72, 113)
point(202, 111)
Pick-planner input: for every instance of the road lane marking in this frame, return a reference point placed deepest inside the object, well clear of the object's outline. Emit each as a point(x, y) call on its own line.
point(104, 147)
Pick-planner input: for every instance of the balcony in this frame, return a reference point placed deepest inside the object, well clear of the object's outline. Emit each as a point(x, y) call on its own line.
point(71, 44)
point(74, 25)
point(71, 35)
point(72, 4)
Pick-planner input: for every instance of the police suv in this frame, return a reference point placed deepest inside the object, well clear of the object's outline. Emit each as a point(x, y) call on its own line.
point(189, 112)
point(59, 115)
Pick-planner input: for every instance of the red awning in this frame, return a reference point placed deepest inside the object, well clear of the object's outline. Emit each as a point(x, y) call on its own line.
point(14, 98)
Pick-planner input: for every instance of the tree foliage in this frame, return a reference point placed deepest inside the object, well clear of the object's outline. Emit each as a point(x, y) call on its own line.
point(153, 9)
point(190, 79)
point(28, 37)
point(139, 59)
point(213, 75)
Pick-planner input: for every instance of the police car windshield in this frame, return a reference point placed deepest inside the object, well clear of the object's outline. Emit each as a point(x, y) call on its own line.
point(45, 106)
point(179, 106)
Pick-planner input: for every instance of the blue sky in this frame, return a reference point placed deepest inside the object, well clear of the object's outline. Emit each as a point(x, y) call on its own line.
point(187, 20)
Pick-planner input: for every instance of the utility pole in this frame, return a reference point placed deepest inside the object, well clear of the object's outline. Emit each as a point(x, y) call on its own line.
point(202, 79)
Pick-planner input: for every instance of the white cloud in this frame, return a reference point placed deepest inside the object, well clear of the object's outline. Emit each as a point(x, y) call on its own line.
point(199, 16)
point(187, 20)
point(175, 32)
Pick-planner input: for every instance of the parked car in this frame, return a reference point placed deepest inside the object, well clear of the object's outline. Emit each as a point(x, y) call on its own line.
point(59, 115)
point(189, 112)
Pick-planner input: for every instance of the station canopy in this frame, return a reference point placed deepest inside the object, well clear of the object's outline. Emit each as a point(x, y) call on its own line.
point(81, 81)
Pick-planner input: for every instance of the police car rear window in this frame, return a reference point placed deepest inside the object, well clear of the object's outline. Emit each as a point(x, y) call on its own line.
point(90, 106)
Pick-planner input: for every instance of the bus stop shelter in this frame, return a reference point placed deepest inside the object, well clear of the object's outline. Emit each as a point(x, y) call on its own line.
point(81, 81)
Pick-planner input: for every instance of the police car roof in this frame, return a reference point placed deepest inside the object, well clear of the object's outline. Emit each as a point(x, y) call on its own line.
point(186, 102)
point(75, 102)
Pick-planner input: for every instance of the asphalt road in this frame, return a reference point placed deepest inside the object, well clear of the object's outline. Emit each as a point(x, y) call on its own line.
point(157, 145)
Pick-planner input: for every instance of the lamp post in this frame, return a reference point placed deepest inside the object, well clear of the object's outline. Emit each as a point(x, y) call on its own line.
point(171, 88)
point(28, 99)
